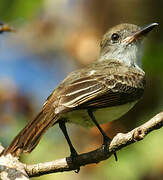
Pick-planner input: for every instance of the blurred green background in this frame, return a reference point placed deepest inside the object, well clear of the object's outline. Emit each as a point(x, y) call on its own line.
point(54, 37)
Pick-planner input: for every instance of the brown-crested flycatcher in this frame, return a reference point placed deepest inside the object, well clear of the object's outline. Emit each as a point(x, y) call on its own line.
point(98, 93)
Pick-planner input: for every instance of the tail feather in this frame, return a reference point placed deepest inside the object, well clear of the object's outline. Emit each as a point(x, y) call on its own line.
point(30, 136)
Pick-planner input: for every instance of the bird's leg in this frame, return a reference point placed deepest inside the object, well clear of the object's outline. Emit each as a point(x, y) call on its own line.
point(64, 130)
point(106, 139)
point(72, 149)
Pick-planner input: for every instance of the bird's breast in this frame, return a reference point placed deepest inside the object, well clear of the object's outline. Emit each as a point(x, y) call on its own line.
point(102, 115)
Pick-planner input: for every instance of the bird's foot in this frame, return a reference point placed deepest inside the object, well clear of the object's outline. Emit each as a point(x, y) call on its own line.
point(106, 143)
point(73, 156)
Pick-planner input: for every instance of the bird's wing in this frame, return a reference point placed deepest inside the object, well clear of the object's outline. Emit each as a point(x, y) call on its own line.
point(101, 89)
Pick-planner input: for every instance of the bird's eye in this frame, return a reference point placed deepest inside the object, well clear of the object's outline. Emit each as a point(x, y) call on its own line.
point(114, 37)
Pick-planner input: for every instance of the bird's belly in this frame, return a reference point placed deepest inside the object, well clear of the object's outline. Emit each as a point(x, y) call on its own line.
point(102, 115)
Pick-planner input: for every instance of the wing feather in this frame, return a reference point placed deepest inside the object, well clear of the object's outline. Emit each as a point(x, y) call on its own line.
point(111, 84)
point(99, 92)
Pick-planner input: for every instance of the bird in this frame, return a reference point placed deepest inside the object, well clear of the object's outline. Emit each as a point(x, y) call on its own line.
point(99, 93)
point(5, 28)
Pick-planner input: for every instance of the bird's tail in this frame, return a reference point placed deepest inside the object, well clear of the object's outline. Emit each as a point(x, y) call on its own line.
point(30, 136)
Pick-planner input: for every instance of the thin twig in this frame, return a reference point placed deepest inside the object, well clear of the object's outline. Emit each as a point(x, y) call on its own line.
point(119, 141)
point(12, 168)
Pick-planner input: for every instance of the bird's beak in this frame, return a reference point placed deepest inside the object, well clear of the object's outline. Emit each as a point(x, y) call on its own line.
point(140, 33)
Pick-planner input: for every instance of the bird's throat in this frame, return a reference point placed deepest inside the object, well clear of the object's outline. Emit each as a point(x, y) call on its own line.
point(130, 55)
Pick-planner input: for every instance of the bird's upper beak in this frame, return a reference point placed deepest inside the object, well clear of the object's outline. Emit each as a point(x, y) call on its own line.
point(140, 33)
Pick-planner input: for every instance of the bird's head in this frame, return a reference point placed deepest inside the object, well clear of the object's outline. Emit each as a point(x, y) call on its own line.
point(124, 43)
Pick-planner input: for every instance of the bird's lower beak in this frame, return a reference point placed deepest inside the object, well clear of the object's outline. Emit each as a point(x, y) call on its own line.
point(140, 33)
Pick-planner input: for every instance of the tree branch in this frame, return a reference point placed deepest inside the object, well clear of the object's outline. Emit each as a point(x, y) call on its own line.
point(119, 141)
point(11, 168)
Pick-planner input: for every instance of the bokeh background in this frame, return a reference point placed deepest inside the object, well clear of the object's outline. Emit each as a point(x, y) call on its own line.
point(54, 37)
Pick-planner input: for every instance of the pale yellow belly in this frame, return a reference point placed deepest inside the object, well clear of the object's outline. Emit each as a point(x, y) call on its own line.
point(102, 115)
